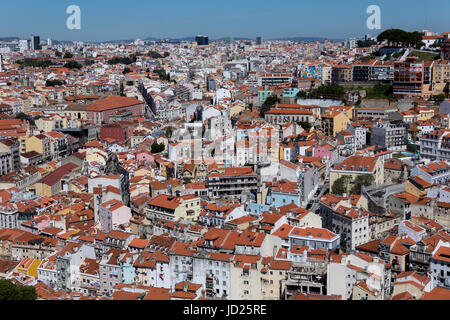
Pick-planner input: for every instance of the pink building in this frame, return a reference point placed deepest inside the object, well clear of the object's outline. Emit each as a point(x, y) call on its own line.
point(323, 153)
point(37, 224)
point(145, 156)
point(112, 214)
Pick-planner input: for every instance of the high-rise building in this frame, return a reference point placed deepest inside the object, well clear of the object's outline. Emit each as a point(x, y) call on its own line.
point(445, 50)
point(258, 40)
point(408, 77)
point(1, 63)
point(202, 40)
point(35, 43)
point(49, 42)
point(24, 45)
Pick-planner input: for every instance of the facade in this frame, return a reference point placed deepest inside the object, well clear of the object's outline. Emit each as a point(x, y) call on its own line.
point(389, 135)
point(316, 238)
point(113, 214)
point(435, 146)
point(352, 224)
point(437, 172)
point(334, 122)
point(173, 208)
point(355, 166)
point(234, 182)
point(9, 216)
point(409, 77)
point(98, 113)
point(283, 116)
point(440, 265)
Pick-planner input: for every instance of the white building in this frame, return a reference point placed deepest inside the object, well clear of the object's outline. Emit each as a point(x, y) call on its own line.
point(440, 265)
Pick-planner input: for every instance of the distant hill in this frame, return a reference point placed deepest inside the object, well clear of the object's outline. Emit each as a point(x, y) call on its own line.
point(307, 39)
point(188, 39)
point(9, 39)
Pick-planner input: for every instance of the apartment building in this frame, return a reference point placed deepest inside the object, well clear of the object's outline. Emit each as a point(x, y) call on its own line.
point(355, 166)
point(173, 208)
point(334, 122)
point(274, 79)
point(389, 135)
point(435, 146)
point(352, 224)
point(283, 116)
point(437, 172)
point(315, 238)
point(112, 215)
point(9, 155)
point(232, 183)
point(408, 78)
point(440, 265)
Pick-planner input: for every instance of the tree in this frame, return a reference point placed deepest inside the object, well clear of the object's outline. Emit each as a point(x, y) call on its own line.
point(68, 55)
point(302, 95)
point(158, 147)
point(126, 70)
point(162, 74)
point(35, 63)
point(401, 37)
point(360, 181)
point(166, 54)
point(169, 132)
point(250, 106)
point(53, 83)
point(154, 55)
point(305, 125)
point(268, 104)
point(333, 91)
point(12, 291)
point(438, 98)
point(73, 65)
point(340, 186)
point(22, 116)
point(366, 43)
point(123, 60)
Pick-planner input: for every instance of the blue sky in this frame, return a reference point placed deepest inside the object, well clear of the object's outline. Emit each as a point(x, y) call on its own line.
point(130, 19)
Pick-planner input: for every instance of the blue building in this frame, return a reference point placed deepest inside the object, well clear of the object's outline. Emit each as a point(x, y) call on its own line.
point(127, 269)
point(282, 193)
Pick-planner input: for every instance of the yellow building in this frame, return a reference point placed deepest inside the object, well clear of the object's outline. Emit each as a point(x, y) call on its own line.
point(40, 143)
point(236, 108)
point(96, 155)
point(357, 166)
point(418, 186)
point(171, 208)
point(28, 266)
point(334, 122)
point(45, 124)
point(273, 278)
point(349, 111)
point(53, 183)
point(424, 113)
point(361, 291)
point(144, 172)
point(245, 276)
point(441, 71)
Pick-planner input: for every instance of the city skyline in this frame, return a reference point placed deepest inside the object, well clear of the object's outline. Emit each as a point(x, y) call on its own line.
point(99, 22)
